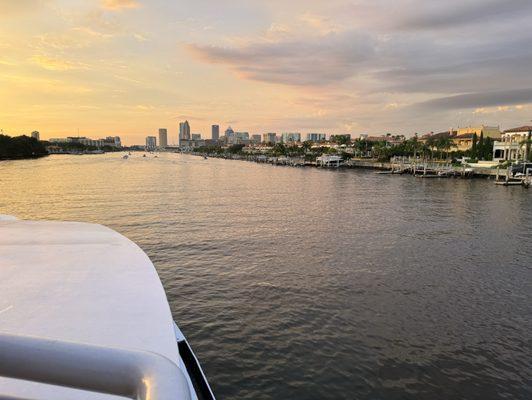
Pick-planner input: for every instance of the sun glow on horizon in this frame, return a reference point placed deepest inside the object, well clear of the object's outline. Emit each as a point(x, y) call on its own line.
point(129, 67)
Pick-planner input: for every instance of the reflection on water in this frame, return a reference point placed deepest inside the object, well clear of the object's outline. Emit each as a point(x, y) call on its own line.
point(311, 284)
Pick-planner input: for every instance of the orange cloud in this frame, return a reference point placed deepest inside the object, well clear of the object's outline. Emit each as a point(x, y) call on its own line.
point(119, 4)
point(55, 64)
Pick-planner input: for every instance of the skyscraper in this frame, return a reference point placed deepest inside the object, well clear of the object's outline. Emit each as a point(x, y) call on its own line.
point(230, 135)
point(184, 132)
point(35, 135)
point(270, 138)
point(215, 132)
point(151, 143)
point(291, 137)
point(163, 138)
point(316, 137)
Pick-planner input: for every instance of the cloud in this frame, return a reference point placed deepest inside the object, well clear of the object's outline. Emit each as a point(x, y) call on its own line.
point(43, 85)
point(15, 7)
point(443, 15)
point(317, 61)
point(319, 23)
point(7, 62)
point(56, 64)
point(143, 107)
point(115, 5)
point(479, 101)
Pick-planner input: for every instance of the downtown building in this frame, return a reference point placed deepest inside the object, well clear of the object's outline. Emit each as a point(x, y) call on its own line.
point(269, 138)
point(215, 132)
point(151, 143)
point(316, 137)
point(241, 138)
point(184, 134)
point(109, 141)
point(112, 141)
point(163, 138)
point(230, 136)
point(291, 137)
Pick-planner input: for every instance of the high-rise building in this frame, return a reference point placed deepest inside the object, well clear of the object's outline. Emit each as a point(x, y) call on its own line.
point(184, 132)
point(241, 138)
point(291, 137)
point(269, 138)
point(316, 137)
point(163, 138)
point(255, 139)
point(196, 136)
point(112, 141)
point(151, 143)
point(230, 135)
point(215, 132)
point(36, 135)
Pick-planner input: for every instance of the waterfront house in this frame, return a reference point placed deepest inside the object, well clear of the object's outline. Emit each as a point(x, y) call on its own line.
point(514, 144)
point(465, 137)
point(329, 161)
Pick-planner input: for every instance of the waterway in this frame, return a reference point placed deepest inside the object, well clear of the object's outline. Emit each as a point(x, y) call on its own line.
point(299, 283)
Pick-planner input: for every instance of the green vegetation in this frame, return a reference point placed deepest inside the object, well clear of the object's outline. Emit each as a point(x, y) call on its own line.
point(438, 147)
point(80, 147)
point(482, 149)
point(20, 147)
point(236, 148)
point(340, 139)
point(528, 145)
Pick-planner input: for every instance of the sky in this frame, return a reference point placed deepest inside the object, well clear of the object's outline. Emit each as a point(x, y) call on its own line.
point(130, 67)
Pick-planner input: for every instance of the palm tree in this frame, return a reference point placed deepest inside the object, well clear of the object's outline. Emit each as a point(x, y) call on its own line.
point(380, 149)
point(527, 142)
point(307, 145)
point(444, 144)
point(361, 146)
point(414, 146)
point(431, 143)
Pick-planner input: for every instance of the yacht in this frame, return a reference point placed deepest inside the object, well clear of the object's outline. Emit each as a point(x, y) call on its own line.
point(83, 315)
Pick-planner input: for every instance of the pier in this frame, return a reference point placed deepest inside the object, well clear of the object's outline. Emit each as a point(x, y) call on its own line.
point(419, 168)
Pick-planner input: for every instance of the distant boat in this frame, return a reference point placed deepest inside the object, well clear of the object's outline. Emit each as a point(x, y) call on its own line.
point(144, 155)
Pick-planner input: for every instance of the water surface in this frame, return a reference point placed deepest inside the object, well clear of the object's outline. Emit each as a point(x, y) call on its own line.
point(312, 284)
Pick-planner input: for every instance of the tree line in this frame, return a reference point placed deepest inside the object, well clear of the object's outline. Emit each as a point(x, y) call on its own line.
point(434, 147)
point(19, 147)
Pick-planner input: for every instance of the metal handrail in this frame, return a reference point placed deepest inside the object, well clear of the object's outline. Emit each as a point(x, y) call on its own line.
point(134, 374)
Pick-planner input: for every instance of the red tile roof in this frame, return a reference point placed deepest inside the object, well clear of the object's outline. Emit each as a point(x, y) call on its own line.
point(526, 128)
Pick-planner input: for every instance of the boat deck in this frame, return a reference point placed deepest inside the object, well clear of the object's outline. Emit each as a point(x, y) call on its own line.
point(79, 283)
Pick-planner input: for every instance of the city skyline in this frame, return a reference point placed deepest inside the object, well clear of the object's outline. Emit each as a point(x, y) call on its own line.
point(115, 67)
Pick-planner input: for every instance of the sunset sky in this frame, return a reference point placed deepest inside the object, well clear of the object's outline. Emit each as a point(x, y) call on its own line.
point(129, 67)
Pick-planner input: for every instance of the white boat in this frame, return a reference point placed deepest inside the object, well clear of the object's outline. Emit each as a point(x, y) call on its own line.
point(83, 315)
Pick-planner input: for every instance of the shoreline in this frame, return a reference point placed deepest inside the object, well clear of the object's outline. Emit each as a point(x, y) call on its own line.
point(417, 168)
point(369, 164)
